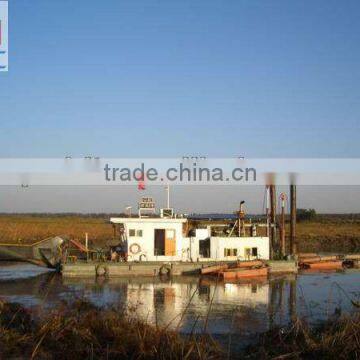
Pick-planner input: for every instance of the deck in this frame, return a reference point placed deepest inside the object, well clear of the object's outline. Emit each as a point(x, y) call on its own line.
point(111, 269)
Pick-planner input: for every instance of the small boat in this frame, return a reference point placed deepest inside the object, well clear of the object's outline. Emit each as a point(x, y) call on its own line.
point(330, 264)
point(249, 263)
point(317, 262)
point(239, 273)
point(309, 260)
point(352, 261)
point(352, 257)
point(214, 269)
point(319, 271)
point(307, 255)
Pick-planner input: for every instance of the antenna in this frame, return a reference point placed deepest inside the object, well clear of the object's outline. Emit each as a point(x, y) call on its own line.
point(167, 188)
point(128, 208)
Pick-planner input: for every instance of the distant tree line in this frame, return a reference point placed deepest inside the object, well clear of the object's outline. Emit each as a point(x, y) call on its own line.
point(306, 214)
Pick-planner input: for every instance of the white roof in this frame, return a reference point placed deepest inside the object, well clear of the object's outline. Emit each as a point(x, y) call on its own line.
point(146, 220)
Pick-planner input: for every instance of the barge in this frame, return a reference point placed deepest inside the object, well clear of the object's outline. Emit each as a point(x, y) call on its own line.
point(90, 269)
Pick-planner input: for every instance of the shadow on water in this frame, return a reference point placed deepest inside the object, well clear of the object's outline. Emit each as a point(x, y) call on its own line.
point(188, 303)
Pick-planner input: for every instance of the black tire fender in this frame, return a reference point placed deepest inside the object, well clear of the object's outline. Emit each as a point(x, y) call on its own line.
point(165, 269)
point(102, 270)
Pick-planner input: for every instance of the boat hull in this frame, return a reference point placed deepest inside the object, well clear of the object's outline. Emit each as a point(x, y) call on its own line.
point(251, 263)
point(326, 265)
point(234, 274)
point(214, 269)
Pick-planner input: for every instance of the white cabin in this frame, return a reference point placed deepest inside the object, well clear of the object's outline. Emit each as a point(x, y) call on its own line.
point(165, 239)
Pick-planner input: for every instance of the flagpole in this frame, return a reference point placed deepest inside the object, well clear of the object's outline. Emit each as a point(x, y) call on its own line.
point(168, 196)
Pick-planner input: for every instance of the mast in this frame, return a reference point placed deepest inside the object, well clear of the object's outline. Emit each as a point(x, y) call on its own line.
point(167, 196)
point(274, 246)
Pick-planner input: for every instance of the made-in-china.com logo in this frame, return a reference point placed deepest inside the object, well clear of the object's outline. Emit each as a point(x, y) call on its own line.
point(4, 42)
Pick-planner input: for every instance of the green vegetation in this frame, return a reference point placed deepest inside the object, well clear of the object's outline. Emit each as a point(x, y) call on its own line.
point(305, 215)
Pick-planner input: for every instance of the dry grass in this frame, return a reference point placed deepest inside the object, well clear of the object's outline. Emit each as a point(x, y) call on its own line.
point(341, 236)
point(83, 331)
point(28, 229)
point(326, 234)
point(336, 339)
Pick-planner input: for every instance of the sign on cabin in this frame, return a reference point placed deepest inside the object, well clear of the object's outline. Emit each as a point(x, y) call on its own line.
point(146, 204)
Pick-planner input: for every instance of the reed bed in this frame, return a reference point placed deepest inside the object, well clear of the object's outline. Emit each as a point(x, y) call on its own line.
point(328, 236)
point(81, 330)
point(334, 339)
point(27, 229)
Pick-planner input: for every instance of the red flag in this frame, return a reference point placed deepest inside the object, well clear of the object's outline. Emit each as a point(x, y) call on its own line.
point(141, 185)
point(141, 182)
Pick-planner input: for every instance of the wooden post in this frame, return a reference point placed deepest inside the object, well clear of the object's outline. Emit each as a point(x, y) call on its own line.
point(87, 246)
point(274, 246)
point(293, 247)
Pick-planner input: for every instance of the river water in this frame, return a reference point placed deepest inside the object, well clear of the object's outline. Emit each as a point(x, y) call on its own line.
point(189, 303)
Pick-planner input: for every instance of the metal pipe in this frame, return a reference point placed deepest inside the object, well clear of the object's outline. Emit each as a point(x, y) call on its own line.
point(267, 211)
point(274, 246)
point(293, 244)
point(282, 227)
point(168, 196)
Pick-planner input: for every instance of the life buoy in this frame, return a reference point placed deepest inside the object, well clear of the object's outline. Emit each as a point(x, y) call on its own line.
point(135, 248)
point(102, 270)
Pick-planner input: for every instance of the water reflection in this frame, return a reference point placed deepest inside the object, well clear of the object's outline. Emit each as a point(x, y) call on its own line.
point(192, 304)
point(187, 298)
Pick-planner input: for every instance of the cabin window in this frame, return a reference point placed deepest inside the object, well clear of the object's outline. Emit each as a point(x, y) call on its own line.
point(254, 251)
point(251, 252)
point(230, 252)
point(133, 233)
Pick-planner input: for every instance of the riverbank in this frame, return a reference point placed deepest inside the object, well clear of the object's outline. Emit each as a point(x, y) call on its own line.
point(238, 311)
point(81, 330)
point(337, 338)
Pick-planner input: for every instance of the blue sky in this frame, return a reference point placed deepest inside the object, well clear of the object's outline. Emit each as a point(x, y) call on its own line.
point(164, 78)
point(147, 78)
